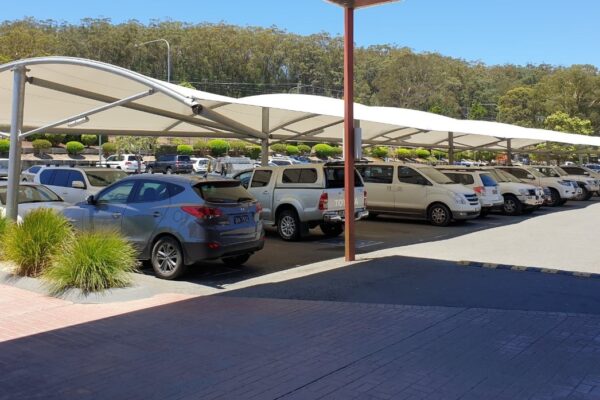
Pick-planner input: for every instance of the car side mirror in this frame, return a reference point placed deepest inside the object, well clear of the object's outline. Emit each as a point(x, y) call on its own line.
point(586, 173)
point(91, 200)
point(78, 185)
point(529, 176)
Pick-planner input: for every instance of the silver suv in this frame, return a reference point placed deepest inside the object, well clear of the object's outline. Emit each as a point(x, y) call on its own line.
point(177, 221)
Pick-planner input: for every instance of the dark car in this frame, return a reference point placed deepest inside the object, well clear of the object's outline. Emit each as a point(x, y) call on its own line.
point(171, 164)
point(177, 221)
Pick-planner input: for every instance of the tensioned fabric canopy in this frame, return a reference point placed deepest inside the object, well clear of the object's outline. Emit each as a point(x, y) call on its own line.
point(71, 95)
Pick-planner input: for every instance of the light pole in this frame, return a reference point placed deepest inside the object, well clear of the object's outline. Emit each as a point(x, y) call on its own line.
point(168, 54)
point(349, 145)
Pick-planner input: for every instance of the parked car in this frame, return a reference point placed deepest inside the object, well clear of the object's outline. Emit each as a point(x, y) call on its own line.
point(28, 174)
point(200, 165)
point(124, 162)
point(30, 197)
point(595, 167)
point(561, 190)
point(282, 161)
point(300, 197)
point(483, 183)
point(171, 164)
point(518, 197)
point(177, 221)
point(3, 166)
point(75, 184)
point(588, 185)
point(417, 191)
point(229, 166)
point(582, 171)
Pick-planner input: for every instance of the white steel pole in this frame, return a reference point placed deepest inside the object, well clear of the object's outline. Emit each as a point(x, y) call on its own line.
point(14, 155)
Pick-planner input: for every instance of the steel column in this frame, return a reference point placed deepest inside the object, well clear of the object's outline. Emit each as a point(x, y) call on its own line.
point(264, 143)
point(14, 155)
point(508, 152)
point(450, 148)
point(350, 250)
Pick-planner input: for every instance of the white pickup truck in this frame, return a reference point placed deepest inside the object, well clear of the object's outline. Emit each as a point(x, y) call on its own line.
point(296, 198)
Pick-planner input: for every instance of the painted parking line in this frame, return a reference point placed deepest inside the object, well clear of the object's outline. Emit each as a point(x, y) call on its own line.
point(339, 242)
point(522, 268)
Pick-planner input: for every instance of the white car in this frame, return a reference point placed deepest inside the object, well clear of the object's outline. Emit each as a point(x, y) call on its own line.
point(124, 162)
point(587, 184)
point(74, 184)
point(31, 196)
point(200, 165)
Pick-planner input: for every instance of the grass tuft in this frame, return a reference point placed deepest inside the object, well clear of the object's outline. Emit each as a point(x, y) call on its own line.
point(94, 262)
point(32, 244)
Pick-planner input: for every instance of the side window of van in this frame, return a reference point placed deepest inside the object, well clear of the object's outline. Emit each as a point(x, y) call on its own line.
point(378, 174)
point(409, 175)
point(463, 179)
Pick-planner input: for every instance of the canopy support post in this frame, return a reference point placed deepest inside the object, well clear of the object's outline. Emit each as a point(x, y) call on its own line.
point(509, 154)
point(14, 154)
point(451, 148)
point(350, 250)
point(264, 143)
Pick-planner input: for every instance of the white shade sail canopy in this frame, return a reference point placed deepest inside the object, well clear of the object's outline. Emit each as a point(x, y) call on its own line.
point(77, 96)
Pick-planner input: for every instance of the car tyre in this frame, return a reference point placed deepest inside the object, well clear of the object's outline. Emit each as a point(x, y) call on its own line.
point(236, 261)
point(555, 202)
point(149, 170)
point(331, 230)
point(169, 171)
point(167, 258)
point(288, 225)
point(512, 205)
point(439, 215)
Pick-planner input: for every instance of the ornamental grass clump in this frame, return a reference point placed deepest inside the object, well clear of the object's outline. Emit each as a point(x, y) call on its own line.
point(32, 244)
point(3, 228)
point(94, 262)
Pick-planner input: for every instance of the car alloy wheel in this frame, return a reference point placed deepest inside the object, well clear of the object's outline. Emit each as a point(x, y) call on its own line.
point(167, 258)
point(439, 215)
point(288, 225)
point(512, 205)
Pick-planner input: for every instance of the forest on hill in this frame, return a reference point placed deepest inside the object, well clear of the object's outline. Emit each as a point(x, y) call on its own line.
point(242, 61)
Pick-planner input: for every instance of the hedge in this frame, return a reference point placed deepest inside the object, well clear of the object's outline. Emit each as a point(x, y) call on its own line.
point(75, 148)
point(218, 147)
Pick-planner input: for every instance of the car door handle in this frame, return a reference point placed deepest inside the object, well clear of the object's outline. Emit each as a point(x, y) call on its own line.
point(266, 192)
point(156, 214)
point(116, 215)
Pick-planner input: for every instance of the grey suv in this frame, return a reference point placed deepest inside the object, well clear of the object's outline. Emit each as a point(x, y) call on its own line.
point(171, 164)
point(177, 221)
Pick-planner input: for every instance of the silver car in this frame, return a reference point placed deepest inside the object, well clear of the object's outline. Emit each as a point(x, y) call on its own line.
point(176, 221)
point(31, 197)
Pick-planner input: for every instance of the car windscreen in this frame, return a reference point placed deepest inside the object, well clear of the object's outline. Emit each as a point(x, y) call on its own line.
point(104, 178)
point(334, 178)
point(222, 192)
point(31, 194)
point(561, 171)
point(496, 175)
point(435, 175)
point(487, 180)
point(536, 173)
point(507, 177)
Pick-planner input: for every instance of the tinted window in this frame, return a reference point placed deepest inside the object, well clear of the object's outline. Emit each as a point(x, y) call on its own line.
point(104, 178)
point(291, 176)
point(334, 178)
point(244, 177)
point(185, 158)
point(46, 177)
point(377, 173)
point(463, 179)
point(487, 180)
point(30, 194)
point(409, 175)
point(574, 170)
point(151, 191)
point(222, 192)
point(261, 178)
point(117, 194)
point(61, 178)
point(34, 169)
point(519, 173)
point(75, 176)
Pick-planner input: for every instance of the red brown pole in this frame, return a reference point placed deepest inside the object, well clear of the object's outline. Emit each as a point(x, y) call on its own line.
point(349, 144)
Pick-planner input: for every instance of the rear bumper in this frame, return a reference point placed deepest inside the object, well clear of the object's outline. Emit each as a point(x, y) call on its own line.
point(195, 252)
point(338, 217)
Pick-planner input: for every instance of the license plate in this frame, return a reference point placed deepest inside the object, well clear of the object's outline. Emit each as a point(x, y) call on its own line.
point(240, 219)
point(494, 191)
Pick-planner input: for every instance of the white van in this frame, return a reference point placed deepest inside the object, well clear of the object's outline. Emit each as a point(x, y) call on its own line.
point(417, 191)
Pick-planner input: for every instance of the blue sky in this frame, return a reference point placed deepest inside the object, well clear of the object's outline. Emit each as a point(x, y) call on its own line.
point(559, 32)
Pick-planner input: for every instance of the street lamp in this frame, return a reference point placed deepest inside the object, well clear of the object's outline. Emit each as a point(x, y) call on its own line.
point(168, 54)
point(349, 145)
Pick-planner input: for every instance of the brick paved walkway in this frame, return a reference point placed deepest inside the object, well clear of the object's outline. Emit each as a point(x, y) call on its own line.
point(240, 348)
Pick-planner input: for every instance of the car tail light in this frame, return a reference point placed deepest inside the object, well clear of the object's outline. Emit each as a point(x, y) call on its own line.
point(365, 198)
point(478, 189)
point(213, 245)
point(128, 163)
point(203, 212)
point(323, 202)
point(258, 208)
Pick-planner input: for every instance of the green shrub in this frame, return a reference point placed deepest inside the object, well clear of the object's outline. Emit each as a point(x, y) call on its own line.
point(89, 140)
point(94, 262)
point(3, 228)
point(253, 151)
point(337, 150)
point(404, 153)
point(238, 147)
point(185, 149)
point(304, 149)
point(55, 138)
point(39, 145)
point(32, 244)
point(75, 148)
point(109, 148)
point(201, 146)
point(422, 153)
point(292, 150)
point(439, 154)
point(218, 147)
point(279, 148)
point(323, 150)
point(380, 151)
point(4, 146)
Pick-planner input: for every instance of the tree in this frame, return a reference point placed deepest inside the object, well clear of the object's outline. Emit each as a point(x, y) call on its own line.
point(380, 151)
point(253, 151)
point(4, 146)
point(41, 145)
point(237, 147)
point(136, 145)
point(89, 140)
point(109, 148)
point(323, 150)
point(422, 153)
point(562, 122)
point(403, 153)
point(477, 111)
point(55, 138)
point(201, 146)
point(218, 147)
point(519, 106)
point(279, 148)
point(304, 149)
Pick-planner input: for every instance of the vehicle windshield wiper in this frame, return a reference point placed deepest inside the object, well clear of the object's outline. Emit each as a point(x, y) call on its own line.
point(241, 199)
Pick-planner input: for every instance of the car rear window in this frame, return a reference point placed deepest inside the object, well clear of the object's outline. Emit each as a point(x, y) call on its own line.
point(222, 192)
point(104, 178)
point(184, 158)
point(299, 175)
point(334, 178)
point(487, 180)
